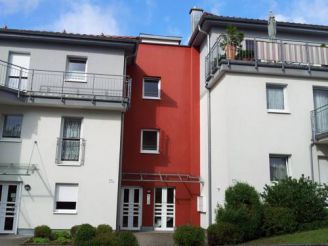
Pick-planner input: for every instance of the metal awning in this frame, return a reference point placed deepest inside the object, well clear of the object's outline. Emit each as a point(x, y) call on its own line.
point(161, 177)
point(17, 169)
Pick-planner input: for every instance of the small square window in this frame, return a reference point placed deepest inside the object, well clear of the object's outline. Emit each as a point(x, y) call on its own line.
point(76, 69)
point(149, 141)
point(66, 198)
point(12, 126)
point(276, 98)
point(151, 88)
point(278, 167)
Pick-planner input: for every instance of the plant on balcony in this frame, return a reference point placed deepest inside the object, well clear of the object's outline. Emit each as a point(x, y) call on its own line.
point(231, 41)
point(245, 55)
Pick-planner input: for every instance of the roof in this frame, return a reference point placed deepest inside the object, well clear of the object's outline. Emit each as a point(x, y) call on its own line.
point(126, 42)
point(208, 17)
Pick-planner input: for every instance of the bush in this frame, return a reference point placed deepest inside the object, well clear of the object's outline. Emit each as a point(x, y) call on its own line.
point(103, 228)
point(74, 230)
point(40, 240)
point(63, 240)
point(60, 234)
point(42, 231)
point(105, 239)
point(243, 209)
point(306, 199)
point(188, 235)
point(277, 220)
point(223, 233)
point(126, 238)
point(85, 233)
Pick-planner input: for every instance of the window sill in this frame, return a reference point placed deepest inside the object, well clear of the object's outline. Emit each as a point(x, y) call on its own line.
point(70, 163)
point(270, 111)
point(73, 212)
point(151, 98)
point(149, 152)
point(11, 140)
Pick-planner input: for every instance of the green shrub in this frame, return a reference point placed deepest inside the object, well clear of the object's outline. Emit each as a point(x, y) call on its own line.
point(277, 220)
point(223, 233)
point(85, 233)
point(126, 238)
point(105, 239)
point(63, 240)
point(189, 235)
point(57, 234)
point(103, 228)
point(40, 240)
point(74, 230)
point(42, 231)
point(306, 199)
point(243, 209)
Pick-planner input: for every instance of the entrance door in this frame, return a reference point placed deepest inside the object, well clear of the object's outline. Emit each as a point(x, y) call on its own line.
point(164, 218)
point(18, 71)
point(8, 207)
point(321, 113)
point(131, 209)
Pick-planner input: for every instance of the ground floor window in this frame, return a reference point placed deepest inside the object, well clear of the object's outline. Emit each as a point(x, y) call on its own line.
point(66, 198)
point(278, 167)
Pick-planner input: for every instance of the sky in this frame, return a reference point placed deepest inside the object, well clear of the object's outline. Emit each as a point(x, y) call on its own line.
point(132, 17)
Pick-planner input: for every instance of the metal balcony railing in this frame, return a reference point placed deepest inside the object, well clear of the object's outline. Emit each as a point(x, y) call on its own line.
point(70, 150)
point(319, 119)
point(64, 85)
point(257, 51)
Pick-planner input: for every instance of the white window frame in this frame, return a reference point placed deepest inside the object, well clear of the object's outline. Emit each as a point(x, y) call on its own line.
point(159, 88)
point(277, 111)
point(84, 80)
point(141, 142)
point(67, 162)
point(2, 125)
point(288, 164)
point(65, 211)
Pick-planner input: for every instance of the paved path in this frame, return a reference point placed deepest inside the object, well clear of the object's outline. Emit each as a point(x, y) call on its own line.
point(12, 240)
point(154, 238)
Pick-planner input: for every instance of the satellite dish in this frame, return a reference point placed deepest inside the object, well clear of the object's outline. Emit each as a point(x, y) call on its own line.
point(272, 26)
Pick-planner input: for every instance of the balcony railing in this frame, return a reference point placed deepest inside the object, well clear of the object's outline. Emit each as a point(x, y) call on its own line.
point(70, 151)
point(64, 85)
point(257, 51)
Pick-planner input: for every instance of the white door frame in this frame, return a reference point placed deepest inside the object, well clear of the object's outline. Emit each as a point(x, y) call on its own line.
point(164, 209)
point(3, 206)
point(131, 206)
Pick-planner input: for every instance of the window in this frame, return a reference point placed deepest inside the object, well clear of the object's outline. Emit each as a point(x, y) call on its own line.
point(12, 126)
point(276, 97)
point(149, 141)
point(278, 167)
point(66, 197)
point(76, 69)
point(151, 88)
point(70, 141)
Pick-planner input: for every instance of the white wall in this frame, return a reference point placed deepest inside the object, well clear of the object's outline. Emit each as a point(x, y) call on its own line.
point(244, 133)
point(97, 178)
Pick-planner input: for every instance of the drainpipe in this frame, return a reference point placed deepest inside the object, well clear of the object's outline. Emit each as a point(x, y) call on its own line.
point(118, 206)
point(311, 156)
point(209, 141)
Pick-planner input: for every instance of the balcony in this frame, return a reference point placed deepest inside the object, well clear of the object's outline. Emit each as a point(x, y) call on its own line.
point(319, 119)
point(269, 53)
point(44, 86)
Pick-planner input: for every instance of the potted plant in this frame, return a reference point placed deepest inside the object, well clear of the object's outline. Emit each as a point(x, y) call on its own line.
point(231, 41)
point(245, 55)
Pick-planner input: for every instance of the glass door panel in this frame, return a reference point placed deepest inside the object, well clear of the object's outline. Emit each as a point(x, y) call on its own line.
point(164, 209)
point(131, 209)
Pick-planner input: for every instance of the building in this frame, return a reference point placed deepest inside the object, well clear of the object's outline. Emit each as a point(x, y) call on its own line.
point(160, 178)
point(263, 113)
point(62, 100)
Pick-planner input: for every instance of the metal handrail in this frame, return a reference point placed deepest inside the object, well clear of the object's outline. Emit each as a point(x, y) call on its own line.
point(64, 84)
point(264, 50)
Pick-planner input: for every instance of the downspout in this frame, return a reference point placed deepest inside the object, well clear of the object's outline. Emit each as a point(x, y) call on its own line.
point(119, 183)
point(209, 140)
point(311, 156)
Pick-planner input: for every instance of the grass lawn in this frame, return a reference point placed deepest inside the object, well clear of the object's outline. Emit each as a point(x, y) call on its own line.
point(306, 237)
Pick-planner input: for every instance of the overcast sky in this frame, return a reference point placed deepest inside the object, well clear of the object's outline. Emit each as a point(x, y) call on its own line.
point(131, 17)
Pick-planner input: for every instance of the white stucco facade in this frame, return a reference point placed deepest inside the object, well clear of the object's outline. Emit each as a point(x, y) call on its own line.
point(97, 178)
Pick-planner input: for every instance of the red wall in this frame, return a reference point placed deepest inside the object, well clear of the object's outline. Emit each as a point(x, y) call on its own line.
point(176, 115)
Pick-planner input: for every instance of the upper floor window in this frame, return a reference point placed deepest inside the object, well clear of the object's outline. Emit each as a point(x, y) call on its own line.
point(71, 140)
point(149, 141)
point(151, 88)
point(66, 198)
point(76, 69)
point(278, 167)
point(12, 126)
point(276, 97)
